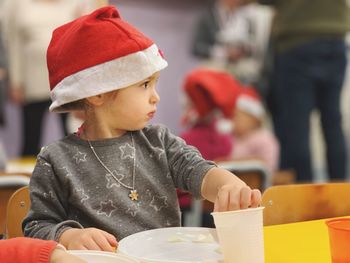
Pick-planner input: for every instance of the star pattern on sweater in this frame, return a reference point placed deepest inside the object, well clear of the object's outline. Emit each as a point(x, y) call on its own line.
point(159, 202)
point(132, 210)
point(79, 157)
point(106, 208)
point(111, 180)
point(127, 151)
point(84, 196)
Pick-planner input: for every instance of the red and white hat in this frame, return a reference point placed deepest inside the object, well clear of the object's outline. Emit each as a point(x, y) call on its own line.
point(249, 101)
point(98, 53)
point(211, 89)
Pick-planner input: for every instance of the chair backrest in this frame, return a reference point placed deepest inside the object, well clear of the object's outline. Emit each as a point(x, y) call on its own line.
point(302, 202)
point(9, 183)
point(252, 172)
point(17, 208)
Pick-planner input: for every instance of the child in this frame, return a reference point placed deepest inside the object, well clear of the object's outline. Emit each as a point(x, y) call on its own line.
point(211, 96)
point(116, 176)
point(252, 140)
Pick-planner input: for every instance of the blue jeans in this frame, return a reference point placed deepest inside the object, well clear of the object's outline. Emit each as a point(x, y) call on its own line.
point(307, 77)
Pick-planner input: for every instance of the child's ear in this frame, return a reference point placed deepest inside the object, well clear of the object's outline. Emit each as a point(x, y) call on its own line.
point(96, 100)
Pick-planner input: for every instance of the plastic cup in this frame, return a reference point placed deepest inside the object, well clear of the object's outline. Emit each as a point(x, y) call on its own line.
point(241, 235)
point(339, 239)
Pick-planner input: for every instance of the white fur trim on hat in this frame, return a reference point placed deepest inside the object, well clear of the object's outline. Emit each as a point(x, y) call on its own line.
point(251, 106)
point(112, 75)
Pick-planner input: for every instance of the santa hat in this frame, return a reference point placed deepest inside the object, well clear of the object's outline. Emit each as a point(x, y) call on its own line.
point(210, 89)
point(98, 53)
point(249, 101)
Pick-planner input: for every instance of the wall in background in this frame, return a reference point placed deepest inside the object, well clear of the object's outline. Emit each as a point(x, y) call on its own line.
point(170, 25)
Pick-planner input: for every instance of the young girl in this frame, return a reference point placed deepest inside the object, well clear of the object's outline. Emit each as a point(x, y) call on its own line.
point(116, 176)
point(252, 139)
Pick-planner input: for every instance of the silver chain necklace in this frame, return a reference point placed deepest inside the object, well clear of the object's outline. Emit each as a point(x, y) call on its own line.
point(133, 194)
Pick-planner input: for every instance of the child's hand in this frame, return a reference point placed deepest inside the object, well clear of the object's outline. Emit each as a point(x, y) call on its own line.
point(234, 197)
point(88, 239)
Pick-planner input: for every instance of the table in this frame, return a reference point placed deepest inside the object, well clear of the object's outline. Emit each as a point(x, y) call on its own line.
point(21, 165)
point(297, 242)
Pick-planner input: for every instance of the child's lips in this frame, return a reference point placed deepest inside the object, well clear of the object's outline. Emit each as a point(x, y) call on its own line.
point(151, 114)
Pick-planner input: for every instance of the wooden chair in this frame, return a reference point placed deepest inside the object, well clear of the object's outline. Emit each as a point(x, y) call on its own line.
point(302, 202)
point(17, 208)
point(9, 183)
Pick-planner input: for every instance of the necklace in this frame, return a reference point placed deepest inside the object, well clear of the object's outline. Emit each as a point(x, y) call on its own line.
point(133, 194)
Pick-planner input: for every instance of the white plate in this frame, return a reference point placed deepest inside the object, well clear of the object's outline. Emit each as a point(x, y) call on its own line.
point(91, 256)
point(173, 245)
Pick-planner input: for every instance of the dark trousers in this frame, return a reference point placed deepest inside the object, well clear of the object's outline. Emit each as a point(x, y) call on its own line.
point(307, 77)
point(33, 116)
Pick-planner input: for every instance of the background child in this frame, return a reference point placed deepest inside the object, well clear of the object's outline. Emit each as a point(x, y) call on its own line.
point(210, 96)
point(252, 140)
point(117, 176)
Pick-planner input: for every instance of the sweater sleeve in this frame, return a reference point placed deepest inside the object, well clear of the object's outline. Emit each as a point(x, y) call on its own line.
point(26, 250)
point(47, 217)
point(186, 164)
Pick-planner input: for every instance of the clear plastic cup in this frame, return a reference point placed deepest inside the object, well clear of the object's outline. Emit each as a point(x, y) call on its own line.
point(241, 235)
point(339, 239)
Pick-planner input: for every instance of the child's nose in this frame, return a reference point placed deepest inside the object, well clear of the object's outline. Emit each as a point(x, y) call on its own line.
point(155, 97)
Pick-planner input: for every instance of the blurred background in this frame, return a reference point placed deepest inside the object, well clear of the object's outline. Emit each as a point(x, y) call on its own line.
point(172, 25)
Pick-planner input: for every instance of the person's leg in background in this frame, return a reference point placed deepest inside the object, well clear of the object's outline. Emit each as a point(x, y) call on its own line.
point(293, 101)
point(33, 115)
point(333, 60)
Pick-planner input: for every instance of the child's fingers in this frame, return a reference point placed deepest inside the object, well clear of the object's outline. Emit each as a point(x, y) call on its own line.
point(90, 244)
point(245, 198)
point(111, 239)
point(255, 198)
point(222, 199)
point(101, 239)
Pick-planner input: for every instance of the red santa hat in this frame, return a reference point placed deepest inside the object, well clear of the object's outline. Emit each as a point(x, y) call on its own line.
point(249, 101)
point(98, 53)
point(210, 89)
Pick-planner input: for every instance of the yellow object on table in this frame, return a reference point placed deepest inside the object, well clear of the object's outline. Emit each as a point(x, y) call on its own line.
point(21, 165)
point(300, 242)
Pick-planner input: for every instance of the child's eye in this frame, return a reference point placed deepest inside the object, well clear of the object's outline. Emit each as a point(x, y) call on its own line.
point(145, 85)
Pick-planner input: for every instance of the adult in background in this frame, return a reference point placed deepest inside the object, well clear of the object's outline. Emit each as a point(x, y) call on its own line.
point(28, 25)
point(309, 69)
point(233, 37)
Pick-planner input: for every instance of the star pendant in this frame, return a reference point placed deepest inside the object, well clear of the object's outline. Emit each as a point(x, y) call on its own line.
point(133, 195)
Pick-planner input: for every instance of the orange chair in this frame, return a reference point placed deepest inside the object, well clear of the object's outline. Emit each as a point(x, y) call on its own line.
point(17, 208)
point(9, 183)
point(301, 202)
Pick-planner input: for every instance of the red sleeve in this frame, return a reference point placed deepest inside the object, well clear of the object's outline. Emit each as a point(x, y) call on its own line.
point(26, 250)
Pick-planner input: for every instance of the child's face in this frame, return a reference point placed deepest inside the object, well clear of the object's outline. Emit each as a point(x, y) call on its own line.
point(133, 107)
point(244, 123)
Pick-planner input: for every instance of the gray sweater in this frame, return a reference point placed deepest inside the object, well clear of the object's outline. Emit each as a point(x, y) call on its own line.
point(70, 188)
